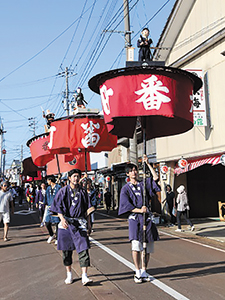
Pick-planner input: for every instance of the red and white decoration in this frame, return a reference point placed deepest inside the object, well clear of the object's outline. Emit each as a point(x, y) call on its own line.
point(164, 169)
point(107, 178)
point(193, 164)
point(182, 163)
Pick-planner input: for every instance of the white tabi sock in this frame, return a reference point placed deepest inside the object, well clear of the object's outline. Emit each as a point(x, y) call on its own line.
point(143, 273)
point(84, 275)
point(69, 278)
point(138, 273)
point(69, 275)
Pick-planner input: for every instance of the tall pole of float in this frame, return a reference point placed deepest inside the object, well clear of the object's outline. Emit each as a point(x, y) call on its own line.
point(21, 163)
point(144, 194)
point(133, 142)
point(1, 148)
point(1, 144)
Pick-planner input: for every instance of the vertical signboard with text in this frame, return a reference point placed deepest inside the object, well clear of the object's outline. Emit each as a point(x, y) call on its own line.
point(199, 105)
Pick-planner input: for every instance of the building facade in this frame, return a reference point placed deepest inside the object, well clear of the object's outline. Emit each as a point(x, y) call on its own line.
point(195, 36)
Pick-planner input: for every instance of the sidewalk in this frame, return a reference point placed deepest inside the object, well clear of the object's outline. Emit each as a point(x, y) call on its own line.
point(211, 228)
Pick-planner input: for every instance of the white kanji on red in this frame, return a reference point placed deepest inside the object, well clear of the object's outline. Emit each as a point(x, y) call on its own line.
point(92, 138)
point(151, 92)
point(52, 130)
point(105, 94)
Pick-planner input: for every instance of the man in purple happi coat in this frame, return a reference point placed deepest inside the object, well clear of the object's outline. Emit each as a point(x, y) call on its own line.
point(73, 208)
point(39, 201)
point(131, 200)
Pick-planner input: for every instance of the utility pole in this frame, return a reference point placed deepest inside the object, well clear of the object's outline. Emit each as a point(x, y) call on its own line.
point(66, 74)
point(67, 93)
point(133, 155)
point(32, 124)
point(128, 46)
point(127, 24)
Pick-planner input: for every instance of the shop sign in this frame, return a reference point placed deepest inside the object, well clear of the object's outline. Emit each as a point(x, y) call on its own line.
point(198, 99)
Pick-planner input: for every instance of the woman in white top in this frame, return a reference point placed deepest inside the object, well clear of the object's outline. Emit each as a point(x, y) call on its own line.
point(182, 208)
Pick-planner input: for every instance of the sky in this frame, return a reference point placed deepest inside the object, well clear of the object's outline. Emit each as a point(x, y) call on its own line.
point(40, 38)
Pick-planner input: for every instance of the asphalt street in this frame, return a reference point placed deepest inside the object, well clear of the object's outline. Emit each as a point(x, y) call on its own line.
point(184, 266)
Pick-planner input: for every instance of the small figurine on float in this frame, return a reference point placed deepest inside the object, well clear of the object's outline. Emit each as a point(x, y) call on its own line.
point(79, 98)
point(143, 44)
point(49, 116)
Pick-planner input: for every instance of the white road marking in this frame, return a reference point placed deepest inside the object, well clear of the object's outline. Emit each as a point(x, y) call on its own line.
point(24, 212)
point(127, 263)
point(193, 242)
point(174, 236)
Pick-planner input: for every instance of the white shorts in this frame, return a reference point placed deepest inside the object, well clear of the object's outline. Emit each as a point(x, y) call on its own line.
point(5, 217)
point(138, 246)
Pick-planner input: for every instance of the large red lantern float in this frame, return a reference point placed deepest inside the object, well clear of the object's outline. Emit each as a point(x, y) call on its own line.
point(72, 137)
point(160, 97)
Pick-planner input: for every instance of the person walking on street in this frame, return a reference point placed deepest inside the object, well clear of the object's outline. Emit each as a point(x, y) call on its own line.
point(108, 200)
point(51, 192)
point(30, 195)
point(6, 203)
point(131, 200)
point(170, 199)
point(39, 201)
point(182, 208)
point(73, 207)
point(93, 195)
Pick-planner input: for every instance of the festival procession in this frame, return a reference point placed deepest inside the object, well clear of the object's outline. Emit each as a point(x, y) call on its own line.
point(115, 190)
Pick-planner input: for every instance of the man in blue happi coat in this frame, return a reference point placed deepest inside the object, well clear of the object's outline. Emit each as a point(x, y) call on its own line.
point(73, 207)
point(131, 200)
point(48, 218)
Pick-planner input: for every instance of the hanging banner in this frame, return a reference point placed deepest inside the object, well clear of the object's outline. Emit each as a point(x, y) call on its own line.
point(59, 137)
point(72, 136)
point(91, 134)
point(198, 99)
point(68, 162)
point(159, 97)
point(39, 150)
point(81, 133)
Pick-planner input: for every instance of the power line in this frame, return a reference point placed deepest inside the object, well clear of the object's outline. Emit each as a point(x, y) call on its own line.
point(83, 32)
point(25, 98)
point(96, 44)
point(49, 44)
point(27, 83)
point(54, 84)
point(89, 71)
point(15, 111)
point(75, 31)
point(158, 11)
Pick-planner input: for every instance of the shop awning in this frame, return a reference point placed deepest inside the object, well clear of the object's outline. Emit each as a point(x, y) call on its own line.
point(193, 164)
